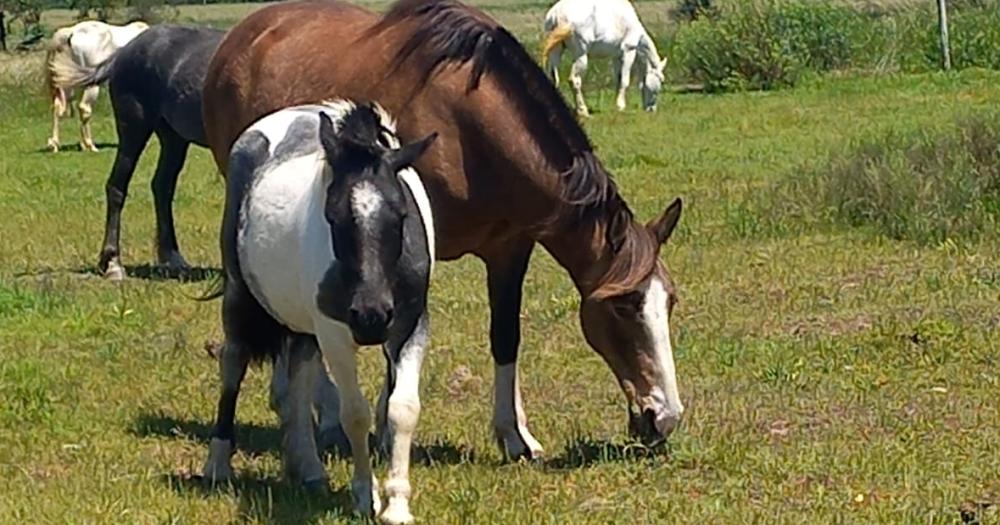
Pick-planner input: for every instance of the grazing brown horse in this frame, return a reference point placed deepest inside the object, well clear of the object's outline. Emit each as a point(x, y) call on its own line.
point(511, 168)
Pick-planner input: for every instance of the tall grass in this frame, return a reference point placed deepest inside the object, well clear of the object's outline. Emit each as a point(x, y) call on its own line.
point(922, 186)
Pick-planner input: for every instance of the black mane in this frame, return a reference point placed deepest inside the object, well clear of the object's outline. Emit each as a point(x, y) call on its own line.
point(449, 32)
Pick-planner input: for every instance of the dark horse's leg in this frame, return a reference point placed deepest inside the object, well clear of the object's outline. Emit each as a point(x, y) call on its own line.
point(133, 134)
point(173, 152)
point(505, 278)
point(250, 333)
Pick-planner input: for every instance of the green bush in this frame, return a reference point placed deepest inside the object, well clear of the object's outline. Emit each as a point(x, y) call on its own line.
point(924, 187)
point(766, 44)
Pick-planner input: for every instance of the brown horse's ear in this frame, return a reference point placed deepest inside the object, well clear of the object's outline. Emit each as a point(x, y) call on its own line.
point(664, 225)
point(328, 136)
point(408, 154)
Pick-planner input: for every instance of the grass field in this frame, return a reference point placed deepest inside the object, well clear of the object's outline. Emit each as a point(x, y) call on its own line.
point(831, 375)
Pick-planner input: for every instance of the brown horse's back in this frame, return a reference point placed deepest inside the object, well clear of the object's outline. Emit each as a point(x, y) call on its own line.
point(243, 84)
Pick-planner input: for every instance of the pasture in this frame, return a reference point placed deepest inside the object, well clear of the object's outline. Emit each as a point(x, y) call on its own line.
point(831, 374)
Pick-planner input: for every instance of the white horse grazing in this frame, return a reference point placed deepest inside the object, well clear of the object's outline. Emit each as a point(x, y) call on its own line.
point(87, 44)
point(605, 28)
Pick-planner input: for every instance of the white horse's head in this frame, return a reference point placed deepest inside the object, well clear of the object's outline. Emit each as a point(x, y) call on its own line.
point(652, 84)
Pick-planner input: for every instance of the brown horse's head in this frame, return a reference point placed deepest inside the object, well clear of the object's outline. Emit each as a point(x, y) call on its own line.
point(627, 321)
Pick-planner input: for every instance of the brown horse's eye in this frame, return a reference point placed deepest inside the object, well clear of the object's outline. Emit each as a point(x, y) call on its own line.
point(627, 305)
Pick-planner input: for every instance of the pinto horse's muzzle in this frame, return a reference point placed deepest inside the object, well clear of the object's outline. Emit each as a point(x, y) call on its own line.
point(370, 326)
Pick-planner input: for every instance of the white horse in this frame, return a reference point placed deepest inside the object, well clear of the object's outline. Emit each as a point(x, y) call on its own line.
point(605, 28)
point(87, 44)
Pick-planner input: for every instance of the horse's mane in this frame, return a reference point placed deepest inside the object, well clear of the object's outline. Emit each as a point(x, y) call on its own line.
point(448, 32)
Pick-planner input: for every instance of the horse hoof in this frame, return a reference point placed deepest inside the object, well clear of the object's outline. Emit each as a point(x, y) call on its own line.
point(175, 264)
point(53, 146)
point(218, 468)
point(396, 513)
point(366, 499)
point(115, 273)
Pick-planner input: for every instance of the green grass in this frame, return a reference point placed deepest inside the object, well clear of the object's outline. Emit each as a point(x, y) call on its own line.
point(832, 374)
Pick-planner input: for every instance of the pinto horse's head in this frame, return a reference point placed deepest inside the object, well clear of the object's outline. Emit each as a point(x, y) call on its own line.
point(366, 209)
point(628, 324)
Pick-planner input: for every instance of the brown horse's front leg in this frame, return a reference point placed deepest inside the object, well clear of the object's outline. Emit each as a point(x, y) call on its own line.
point(505, 278)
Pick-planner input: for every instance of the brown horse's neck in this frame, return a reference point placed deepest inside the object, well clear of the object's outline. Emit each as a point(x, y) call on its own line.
point(580, 247)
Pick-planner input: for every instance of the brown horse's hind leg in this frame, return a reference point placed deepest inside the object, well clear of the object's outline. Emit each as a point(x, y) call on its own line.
point(505, 279)
point(133, 134)
point(173, 152)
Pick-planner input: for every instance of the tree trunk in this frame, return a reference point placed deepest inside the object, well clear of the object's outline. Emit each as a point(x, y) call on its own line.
point(3, 32)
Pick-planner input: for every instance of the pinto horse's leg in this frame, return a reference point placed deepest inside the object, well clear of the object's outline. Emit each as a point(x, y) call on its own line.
point(133, 134)
point(86, 106)
point(624, 76)
point(303, 366)
point(329, 434)
point(233, 361)
point(402, 413)
point(173, 152)
point(505, 279)
point(339, 350)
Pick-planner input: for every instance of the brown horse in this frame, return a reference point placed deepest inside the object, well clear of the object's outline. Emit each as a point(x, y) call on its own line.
point(511, 168)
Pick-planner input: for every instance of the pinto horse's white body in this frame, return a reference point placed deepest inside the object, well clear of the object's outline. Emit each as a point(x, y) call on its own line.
point(609, 28)
point(286, 252)
point(87, 44)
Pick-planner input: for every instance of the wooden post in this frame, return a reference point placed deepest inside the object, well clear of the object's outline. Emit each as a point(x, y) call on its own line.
point(943, 24)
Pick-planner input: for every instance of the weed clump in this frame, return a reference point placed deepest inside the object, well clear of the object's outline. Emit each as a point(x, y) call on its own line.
point(926, 187)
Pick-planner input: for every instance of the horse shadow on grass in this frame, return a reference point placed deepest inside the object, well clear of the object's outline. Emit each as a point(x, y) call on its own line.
point(255, 440)
point(75, 148)
point(585, 451)
point(153, 272)
point(269, 499)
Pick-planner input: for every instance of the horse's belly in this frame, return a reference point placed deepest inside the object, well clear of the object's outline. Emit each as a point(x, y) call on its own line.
point(279, 254)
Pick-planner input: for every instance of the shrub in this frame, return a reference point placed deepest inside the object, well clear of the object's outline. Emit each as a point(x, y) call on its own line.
point(689, 10)
point(766, 44)
point(924, 187)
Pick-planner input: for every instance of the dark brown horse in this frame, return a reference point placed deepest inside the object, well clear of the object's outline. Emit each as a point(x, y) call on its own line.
point(511, 168)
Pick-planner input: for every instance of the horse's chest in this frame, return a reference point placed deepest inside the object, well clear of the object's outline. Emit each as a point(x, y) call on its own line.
point(284, 250)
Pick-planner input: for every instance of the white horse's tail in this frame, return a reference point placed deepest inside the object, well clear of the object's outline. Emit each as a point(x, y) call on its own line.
point(65, 73)
point(59, 46)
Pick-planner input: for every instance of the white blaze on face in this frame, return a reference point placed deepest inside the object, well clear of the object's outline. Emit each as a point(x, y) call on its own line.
point(665, 397)
point(365, 201)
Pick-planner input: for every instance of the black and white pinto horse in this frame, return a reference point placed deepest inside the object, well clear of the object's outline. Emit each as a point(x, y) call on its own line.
point(155, 83)
point(327, 239)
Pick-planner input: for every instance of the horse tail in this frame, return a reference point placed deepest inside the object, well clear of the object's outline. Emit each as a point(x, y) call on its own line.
point(58, 46)
point(556, 37)
point(66, 73)
point(216, 289)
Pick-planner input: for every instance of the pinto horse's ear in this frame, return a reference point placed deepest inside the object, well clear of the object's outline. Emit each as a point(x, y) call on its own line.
point(408, 154)
point(328, 136)
point(664, 225)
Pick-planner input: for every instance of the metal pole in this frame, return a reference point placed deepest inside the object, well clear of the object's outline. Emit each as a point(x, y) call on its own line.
point(943, 24)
